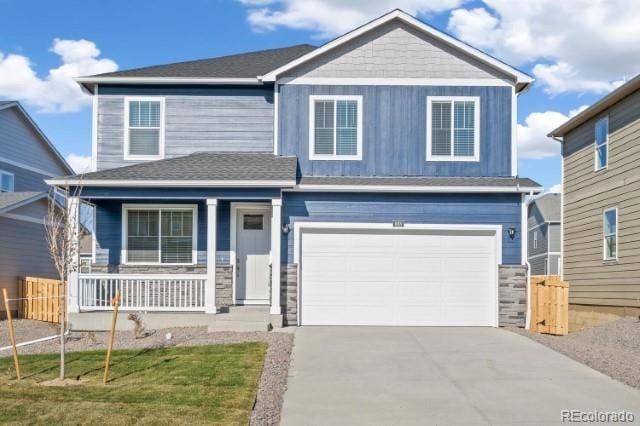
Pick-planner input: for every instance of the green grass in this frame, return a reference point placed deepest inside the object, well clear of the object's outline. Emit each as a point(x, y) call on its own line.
point(198, 385)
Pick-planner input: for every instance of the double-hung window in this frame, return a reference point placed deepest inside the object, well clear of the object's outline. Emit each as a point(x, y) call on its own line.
point(535, 240)
point(160, 235)
point(610, 232)
point(335, 128)
point(602, 143)
point(453, 128)
point(6, 181)
point(144, 128)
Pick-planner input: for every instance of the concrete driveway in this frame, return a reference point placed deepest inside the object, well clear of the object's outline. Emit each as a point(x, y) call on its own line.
point(446, 376)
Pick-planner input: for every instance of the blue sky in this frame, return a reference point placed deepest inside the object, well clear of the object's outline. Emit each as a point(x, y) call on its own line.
point(138, 33)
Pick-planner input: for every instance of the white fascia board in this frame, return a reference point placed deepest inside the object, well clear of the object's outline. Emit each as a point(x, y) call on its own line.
point(410, 20)
point(174, 183)
point(408, 188)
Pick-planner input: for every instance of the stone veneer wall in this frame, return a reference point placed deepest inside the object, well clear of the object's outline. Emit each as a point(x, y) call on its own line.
point(289, 293)
point(224, 286)
point(513, 295)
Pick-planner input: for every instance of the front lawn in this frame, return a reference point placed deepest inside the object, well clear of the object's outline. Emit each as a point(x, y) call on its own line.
point(204, 384)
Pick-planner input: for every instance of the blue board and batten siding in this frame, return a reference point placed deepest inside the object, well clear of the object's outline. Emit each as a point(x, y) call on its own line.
point(493, 209)
point(197, 118)
point(394, 131)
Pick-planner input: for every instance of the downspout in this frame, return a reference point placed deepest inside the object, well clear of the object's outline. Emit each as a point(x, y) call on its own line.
point(525, 250)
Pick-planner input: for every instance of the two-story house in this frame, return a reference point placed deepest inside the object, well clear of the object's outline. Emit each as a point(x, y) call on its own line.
point(369, 181)
point(544, 222)
point(27, 158)
point(601, 184)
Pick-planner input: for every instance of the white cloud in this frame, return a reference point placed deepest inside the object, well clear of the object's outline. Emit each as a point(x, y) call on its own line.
point(57, 92)
point(580, 45)
point(556, 189)
point(533, 142)
point(79, 163)
point(329, 18)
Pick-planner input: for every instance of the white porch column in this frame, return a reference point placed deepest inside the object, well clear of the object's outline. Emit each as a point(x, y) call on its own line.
point(73, 283)
point(210, 288)
point(276, 222)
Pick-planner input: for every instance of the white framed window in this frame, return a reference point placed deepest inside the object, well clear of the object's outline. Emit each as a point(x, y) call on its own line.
point(144, 128)
point(535, 239)
point(85, 264)
point(453, 128)
point(610, 233)
point(159, 234)
point(335, 127)
point(7, 181)
point(601, 144)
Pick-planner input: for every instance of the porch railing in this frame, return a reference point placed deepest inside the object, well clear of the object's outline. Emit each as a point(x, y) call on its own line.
point(142, 292)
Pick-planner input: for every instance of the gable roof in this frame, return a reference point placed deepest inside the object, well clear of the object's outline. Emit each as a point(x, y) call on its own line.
point(241, 68)
point(549, 206)
point(198, 169)
point(16, 104)
point(13, 200)
point(522, 79)
point(609, 100)
point(255, 68)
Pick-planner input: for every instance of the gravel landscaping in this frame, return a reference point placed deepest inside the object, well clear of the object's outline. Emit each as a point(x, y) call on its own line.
point(612, 349)
point(272, 382)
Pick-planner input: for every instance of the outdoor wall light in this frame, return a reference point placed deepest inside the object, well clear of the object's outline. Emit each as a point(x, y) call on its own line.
point(512, 232)
point(285, 229)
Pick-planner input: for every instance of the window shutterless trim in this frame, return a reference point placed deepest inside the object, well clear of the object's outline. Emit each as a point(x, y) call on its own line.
point(596, 146)
point(13, 181)
point(127, 101)
point(604, 234)
point(160, 207)
point(476, 128)
point(312, 127)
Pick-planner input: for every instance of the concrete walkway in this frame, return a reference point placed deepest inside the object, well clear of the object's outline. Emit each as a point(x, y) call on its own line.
point(444, 376)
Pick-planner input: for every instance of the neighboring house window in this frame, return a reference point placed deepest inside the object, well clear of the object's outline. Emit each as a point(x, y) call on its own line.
point(535, 239)
point(610, 218)
point(602, 143)
point(144, 138)
point(453, 128)
point(85, 264)
point(6, 181)
point(335, 128)
point(164, 235)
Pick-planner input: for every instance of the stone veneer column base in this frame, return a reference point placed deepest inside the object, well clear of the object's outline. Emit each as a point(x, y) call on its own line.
point(289, 293)
point(224, 286)
point(512, 295)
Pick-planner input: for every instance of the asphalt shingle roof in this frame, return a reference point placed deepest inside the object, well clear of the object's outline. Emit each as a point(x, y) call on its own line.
point(12, 200)
point(549, 206)
point(420, 181)
point(205, 166)
point(244, 65)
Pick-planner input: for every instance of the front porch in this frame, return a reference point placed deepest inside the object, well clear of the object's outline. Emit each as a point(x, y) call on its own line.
point(181, 261)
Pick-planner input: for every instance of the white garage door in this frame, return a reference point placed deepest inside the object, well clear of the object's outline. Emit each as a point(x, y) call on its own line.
point(378, 277)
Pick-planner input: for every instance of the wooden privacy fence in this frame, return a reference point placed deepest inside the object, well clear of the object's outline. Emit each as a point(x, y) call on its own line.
point(549, 305)
point(39, 299)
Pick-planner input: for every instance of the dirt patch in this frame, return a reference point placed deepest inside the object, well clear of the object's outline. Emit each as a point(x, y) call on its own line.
point(62, 383)
point(612, 348)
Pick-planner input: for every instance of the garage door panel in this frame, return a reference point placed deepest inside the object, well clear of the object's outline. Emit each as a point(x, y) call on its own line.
point(398, 278)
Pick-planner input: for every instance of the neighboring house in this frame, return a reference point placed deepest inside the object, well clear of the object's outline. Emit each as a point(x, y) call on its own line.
point(27, 158)
point(544, 235)
point(601, 195)
point(370, 181)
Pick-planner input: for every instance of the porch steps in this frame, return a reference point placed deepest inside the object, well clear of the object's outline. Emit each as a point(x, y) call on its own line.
point(242, 318)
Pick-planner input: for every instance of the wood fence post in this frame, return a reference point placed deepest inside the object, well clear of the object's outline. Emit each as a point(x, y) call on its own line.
point(12, 336)
point(116, 302)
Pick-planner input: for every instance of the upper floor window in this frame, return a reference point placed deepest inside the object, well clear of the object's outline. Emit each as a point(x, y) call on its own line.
point(6, 181)
point(335, 128)
point(144, 135)
point(535, 239)
point(610, 232)
point(602, 143)
point(453, 128)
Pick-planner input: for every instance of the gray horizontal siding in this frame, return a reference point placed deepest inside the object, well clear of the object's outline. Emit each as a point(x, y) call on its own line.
point(542, 232)
point(555, 237)
point(25, 180)
point(196, 119)
point(22, 252)
point(394, 131)
point(21, 143)
point(587, 193)
point(538, 265)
